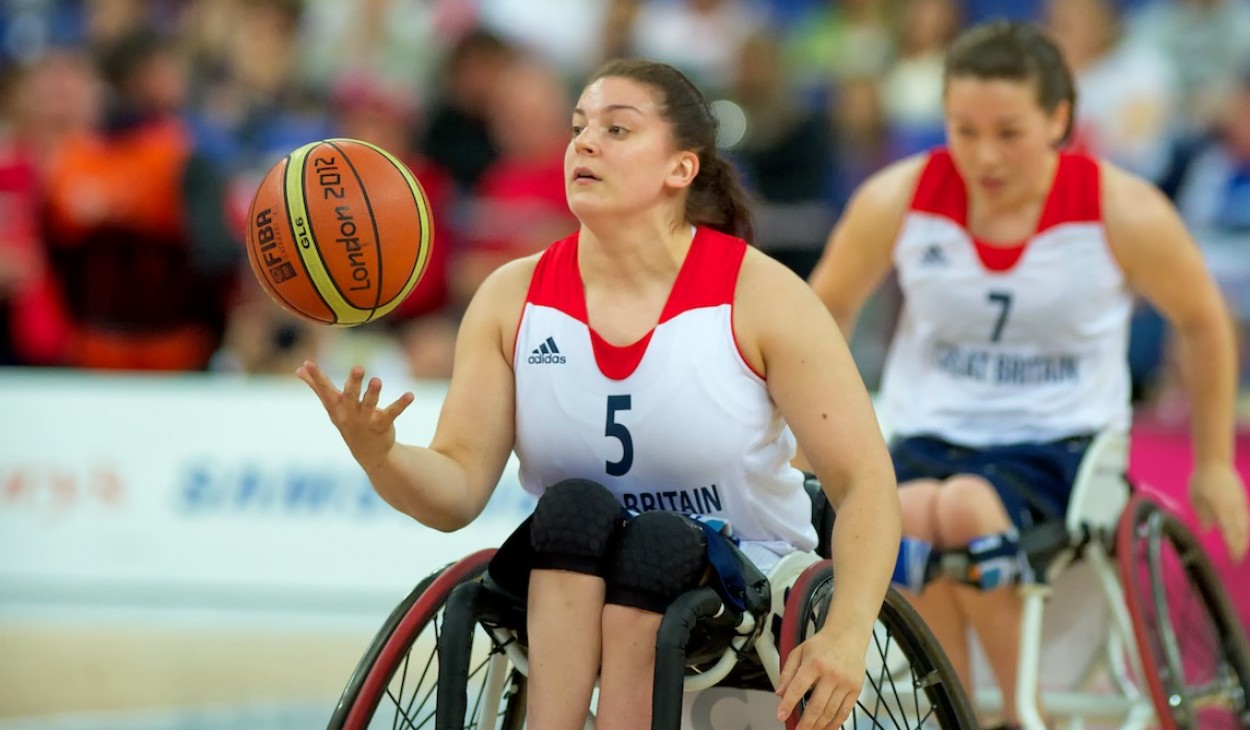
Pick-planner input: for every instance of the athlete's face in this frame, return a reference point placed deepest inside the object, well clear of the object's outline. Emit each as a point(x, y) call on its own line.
point(1000, 137)
point(621, 157)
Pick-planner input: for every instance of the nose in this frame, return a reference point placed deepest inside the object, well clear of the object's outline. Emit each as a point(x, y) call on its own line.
point(584, 143)
point(987, 153)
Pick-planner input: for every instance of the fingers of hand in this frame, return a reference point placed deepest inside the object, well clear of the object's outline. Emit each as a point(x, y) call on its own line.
point(399, 406)
point(351, 389)
point(793, 663)
point(372, 392)
point(1202, 509)
point(820, 708)
point(844, 712)
point(317, 380)
point(797, 687)
point(1236, 533)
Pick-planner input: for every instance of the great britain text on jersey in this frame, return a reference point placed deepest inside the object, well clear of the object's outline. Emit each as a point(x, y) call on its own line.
point(1001, 368)
point(699, 501)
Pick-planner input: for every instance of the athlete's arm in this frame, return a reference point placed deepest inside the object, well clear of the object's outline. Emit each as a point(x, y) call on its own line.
point(1162, 263)
point(858, 254)
point(446, 485)
point(787, 335)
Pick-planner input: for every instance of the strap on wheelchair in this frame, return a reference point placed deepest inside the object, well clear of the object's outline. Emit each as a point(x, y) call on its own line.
point(736, 579)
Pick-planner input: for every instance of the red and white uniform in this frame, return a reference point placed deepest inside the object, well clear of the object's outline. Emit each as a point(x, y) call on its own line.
point(677, 421)
point(1008, 345)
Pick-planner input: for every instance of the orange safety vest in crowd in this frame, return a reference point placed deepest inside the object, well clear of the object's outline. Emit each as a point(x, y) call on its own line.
point(117, 230)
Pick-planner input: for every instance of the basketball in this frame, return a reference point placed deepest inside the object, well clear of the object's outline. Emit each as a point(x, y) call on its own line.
point(339, 232)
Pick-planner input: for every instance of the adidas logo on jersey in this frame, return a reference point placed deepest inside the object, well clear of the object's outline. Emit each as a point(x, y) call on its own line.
point(933, 256)
point(546, 354)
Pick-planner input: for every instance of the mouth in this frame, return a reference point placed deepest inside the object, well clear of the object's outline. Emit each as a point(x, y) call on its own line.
point(583, 174)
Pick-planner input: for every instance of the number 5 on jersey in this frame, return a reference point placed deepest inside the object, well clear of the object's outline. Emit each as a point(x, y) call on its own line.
point(618, 431)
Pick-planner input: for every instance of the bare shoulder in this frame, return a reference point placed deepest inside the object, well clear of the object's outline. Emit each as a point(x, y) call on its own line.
point(1132, 205)
point(509, 284)
point(496, 305)
point(1147, 236)
point(766, 278)
point(770, 297)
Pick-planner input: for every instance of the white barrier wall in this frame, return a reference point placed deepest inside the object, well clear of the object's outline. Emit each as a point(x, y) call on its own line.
point(207, 492)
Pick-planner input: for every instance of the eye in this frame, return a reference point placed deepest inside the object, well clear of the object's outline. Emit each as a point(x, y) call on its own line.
point(575, 130)
point(965, 132)
point(617, 130)
point(1009, 134)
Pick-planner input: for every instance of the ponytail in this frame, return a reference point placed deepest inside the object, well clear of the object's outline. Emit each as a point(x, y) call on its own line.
point(718, 200)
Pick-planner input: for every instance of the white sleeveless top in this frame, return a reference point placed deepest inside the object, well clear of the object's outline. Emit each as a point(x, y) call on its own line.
point(999, 346)
point(677, 421)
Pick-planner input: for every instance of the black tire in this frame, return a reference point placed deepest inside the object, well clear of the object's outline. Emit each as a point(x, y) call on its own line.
point(1192, 644)
point(909, 683)
point(379, 693)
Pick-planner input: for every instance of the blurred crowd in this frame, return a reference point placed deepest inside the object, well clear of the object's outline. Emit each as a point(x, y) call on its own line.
point(133, 133)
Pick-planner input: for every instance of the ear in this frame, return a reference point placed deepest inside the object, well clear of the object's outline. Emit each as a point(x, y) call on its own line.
point(1058, 122)
point(684, 170)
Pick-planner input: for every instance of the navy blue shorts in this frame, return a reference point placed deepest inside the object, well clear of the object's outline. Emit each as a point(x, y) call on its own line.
point(1034, 480)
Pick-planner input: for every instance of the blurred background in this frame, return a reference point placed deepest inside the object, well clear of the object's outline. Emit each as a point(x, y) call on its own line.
point(184, 542)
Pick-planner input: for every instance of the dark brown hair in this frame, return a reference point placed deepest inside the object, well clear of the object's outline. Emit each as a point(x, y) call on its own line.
point(1017, 52)
point(717, 198)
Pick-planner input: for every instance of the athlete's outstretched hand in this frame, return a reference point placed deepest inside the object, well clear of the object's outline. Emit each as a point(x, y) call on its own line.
point(369, 431)
point(833, 670)
point(1219, 498)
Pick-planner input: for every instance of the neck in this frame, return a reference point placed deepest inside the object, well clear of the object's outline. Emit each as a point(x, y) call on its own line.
point(1027, 198)
point(620, 254)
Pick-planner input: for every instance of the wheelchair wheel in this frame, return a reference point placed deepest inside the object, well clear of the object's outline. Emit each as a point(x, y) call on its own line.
point(394, 685)
point(909, 683)
point(1192, 645)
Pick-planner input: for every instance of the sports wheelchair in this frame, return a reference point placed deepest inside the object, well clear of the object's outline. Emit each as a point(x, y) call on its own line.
point(1173, 652)
point(452, 654)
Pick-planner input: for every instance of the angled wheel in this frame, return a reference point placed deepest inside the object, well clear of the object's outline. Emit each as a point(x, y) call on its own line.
point(395, 684)
point(1192, 644)
point(909, 683)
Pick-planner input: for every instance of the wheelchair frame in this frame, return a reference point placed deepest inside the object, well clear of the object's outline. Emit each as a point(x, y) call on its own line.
point(1097, 525)
point(469, 603)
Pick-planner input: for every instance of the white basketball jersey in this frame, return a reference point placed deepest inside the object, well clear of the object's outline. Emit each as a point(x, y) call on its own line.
point(1008, 345)
point(677, 421)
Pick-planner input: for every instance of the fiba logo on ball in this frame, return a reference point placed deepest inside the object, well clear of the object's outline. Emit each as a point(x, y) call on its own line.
point(339, 232)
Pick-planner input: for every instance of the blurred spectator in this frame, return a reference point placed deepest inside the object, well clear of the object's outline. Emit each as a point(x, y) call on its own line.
point(134, 224)
point(564, 33)
point(397, 42)
point(786, 157)
point(911, 89)
point(252, 104)
point(32, 327)
point(838, 39)
point(1126, 92)
point(1205, 40)
point(519, 205)
point(261, 338)
point(862, 143)
point(701, 37)
point(1210, 182)
point(369, 109)
point(456, 136)
point(862, 146)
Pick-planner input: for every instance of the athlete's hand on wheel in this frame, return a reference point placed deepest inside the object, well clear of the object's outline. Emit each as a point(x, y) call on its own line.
point(1219, 498)
point(369, 431)
point(832, 670)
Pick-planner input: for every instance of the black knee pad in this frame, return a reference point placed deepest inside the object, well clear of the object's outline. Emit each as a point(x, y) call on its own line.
point(659, 556)
point(573, 525)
